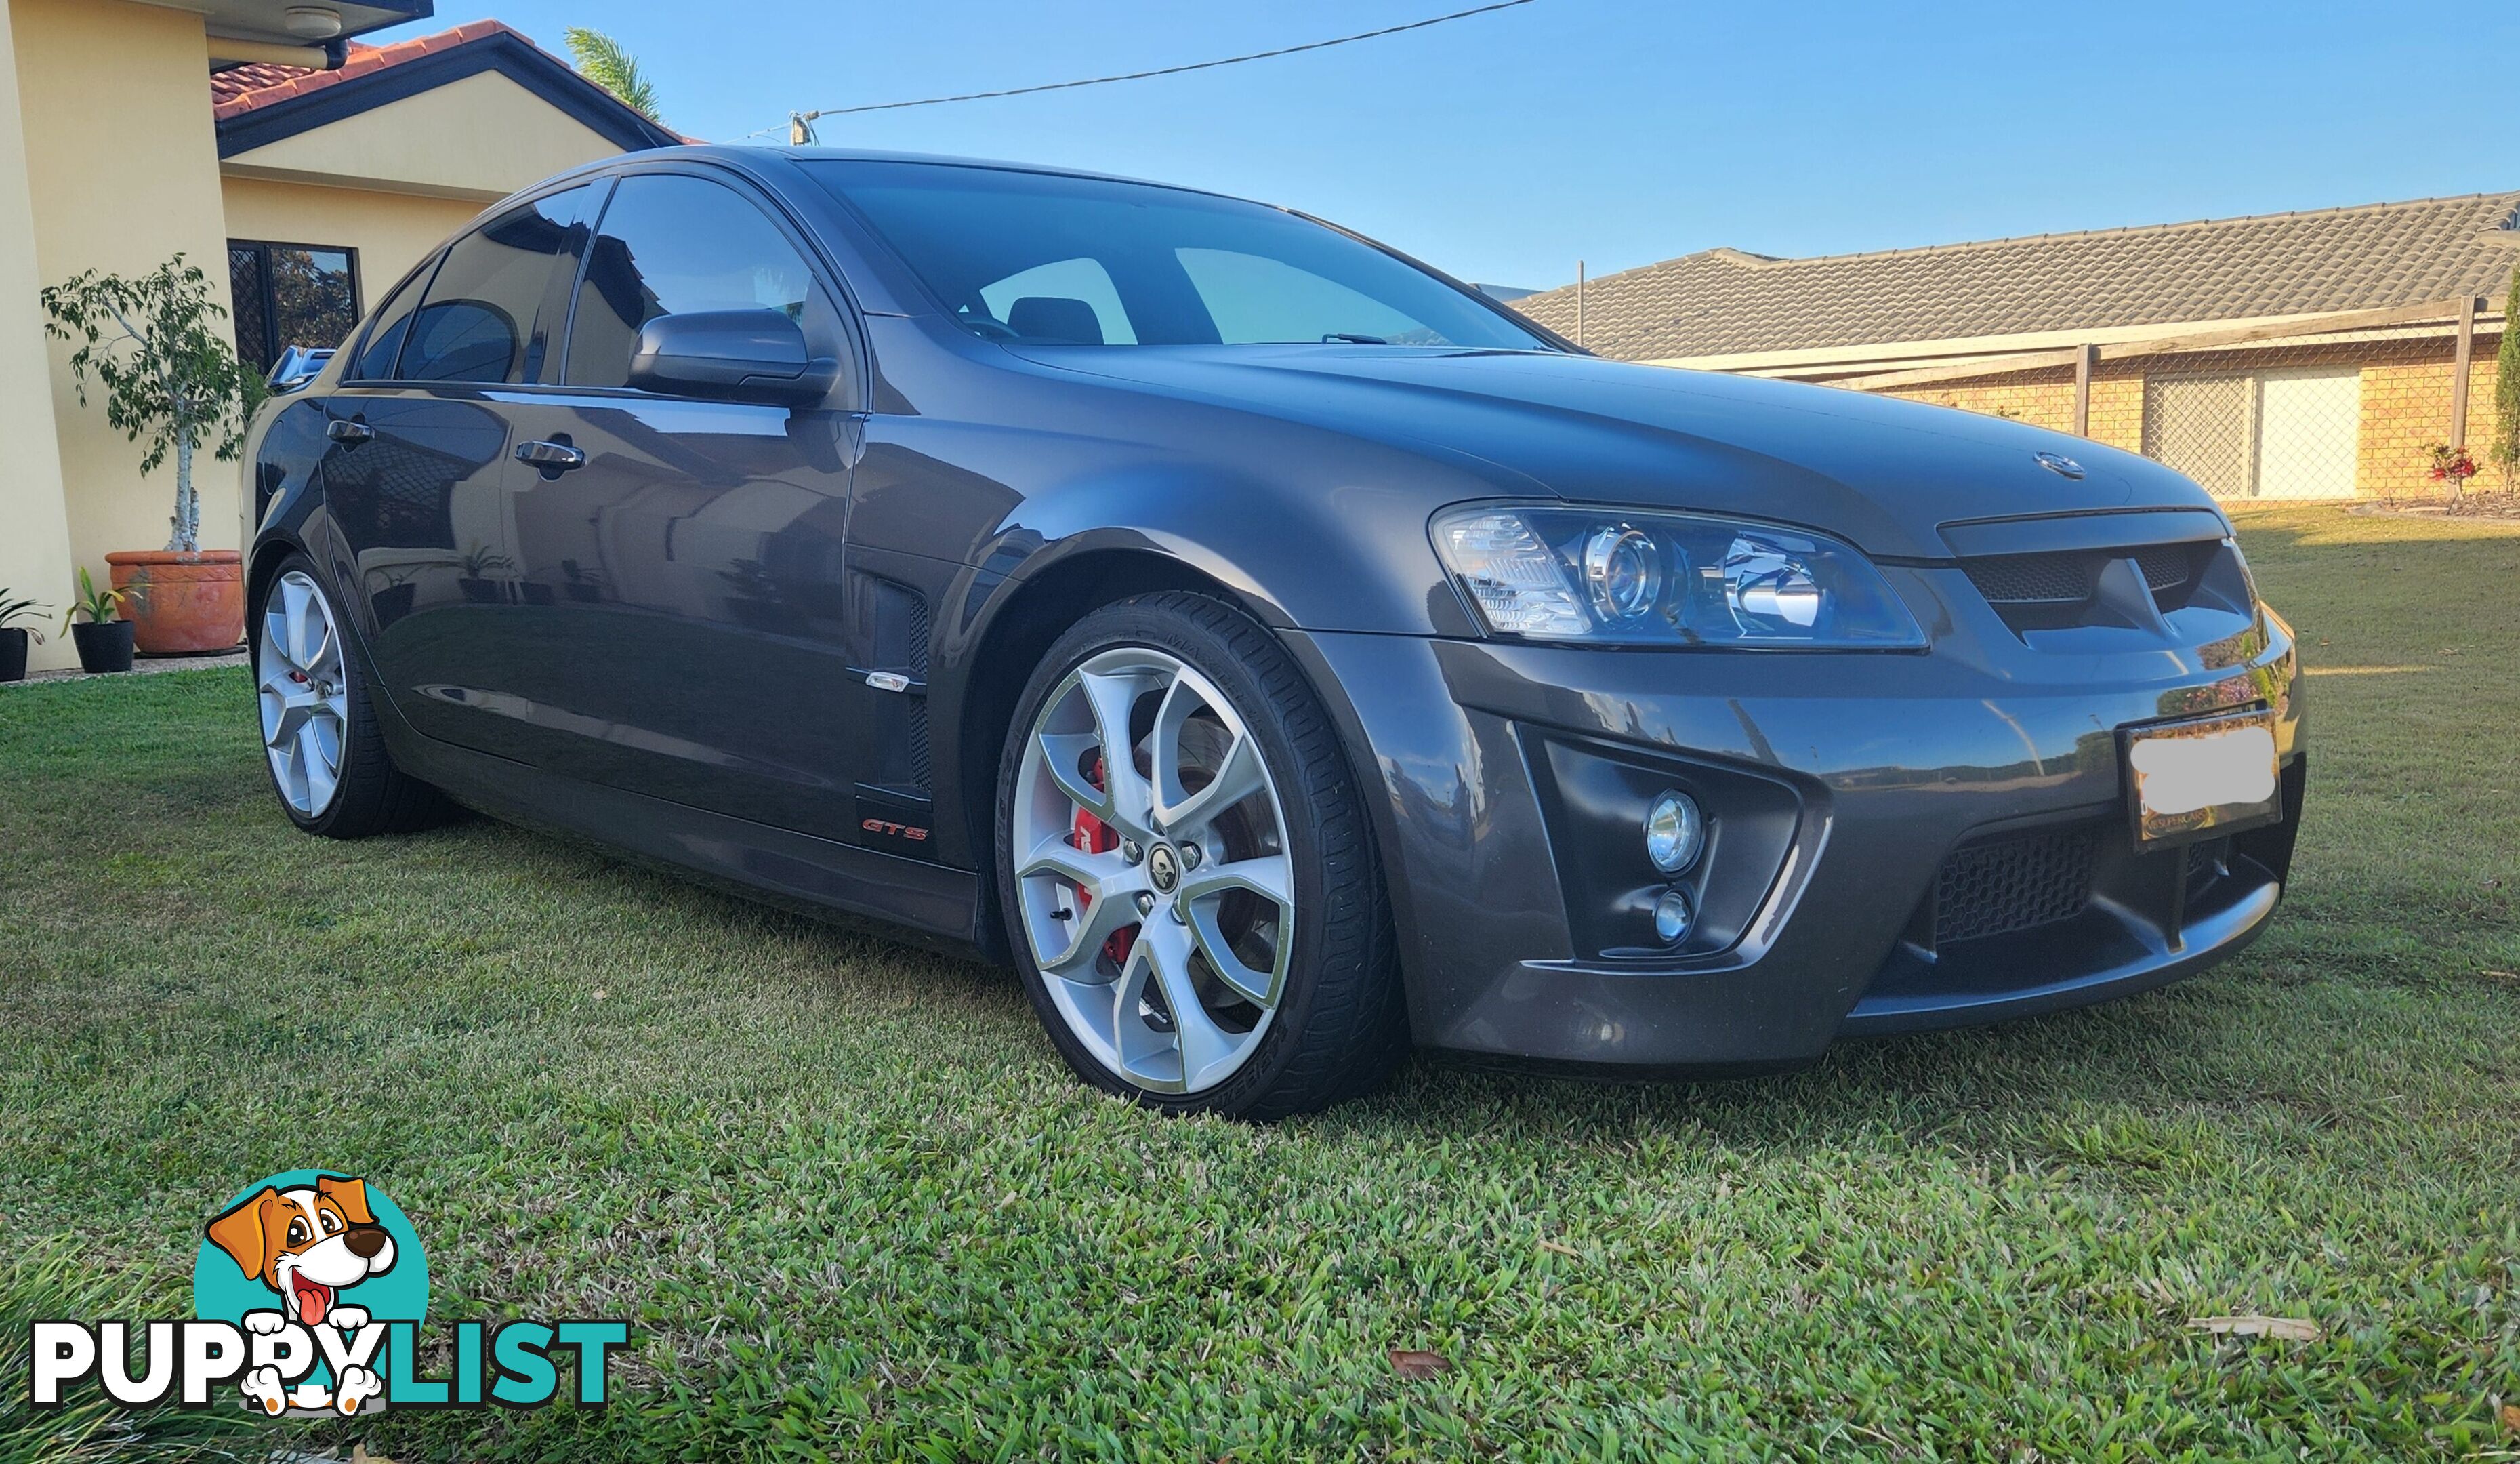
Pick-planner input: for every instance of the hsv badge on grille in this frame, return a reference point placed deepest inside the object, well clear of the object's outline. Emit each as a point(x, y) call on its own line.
point(2057, 461)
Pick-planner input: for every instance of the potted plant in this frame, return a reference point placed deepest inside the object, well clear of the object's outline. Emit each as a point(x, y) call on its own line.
point(480, 561)
point(105, 641)
point(12, 638)
point(582, 584)
point(753, 597)
point(173, 382)
point(394, 594)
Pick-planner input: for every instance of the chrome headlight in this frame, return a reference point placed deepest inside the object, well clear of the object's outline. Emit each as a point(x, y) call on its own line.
point(1611, 576)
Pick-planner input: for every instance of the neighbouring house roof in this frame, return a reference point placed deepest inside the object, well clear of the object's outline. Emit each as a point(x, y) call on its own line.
point(259, 105)
point(1724, 303)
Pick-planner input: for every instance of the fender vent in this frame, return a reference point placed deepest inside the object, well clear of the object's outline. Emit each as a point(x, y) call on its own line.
point(896, 616)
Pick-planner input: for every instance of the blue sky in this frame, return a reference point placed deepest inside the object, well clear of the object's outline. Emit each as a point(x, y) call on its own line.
point(1506, 146)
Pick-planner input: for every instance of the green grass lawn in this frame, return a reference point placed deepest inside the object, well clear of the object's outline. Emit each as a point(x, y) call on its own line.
point(853, 1203)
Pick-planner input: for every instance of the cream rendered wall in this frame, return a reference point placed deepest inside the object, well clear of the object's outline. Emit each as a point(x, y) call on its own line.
point(480, 138)
point(123, 172)
point(391, 231)
point(34, 531)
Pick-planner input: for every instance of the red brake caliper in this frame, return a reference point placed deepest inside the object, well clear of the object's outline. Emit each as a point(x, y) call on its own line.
point(1094, 837)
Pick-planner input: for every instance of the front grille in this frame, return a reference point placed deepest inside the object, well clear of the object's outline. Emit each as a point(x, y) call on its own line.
point(2014, 882)
point(2166, 567)
point(2048, 591)
point(2208, 860)
point(2034, 579)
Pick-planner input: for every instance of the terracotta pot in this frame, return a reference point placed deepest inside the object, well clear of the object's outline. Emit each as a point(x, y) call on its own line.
point(183, 604)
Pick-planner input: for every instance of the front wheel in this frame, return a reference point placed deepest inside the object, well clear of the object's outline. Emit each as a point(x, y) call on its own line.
point(320, 739)
point(1188, 872)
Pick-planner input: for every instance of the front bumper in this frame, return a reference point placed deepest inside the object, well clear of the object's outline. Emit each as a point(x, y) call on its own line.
point(1878, 768)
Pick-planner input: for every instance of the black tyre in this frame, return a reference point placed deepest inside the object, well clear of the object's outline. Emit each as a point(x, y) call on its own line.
point(320, 743)
point(1202, 925)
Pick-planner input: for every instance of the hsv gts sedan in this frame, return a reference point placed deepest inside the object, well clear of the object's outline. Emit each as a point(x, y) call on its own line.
point(1276, 651)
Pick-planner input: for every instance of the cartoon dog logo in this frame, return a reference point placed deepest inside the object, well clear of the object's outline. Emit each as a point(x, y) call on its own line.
point(307, 1244)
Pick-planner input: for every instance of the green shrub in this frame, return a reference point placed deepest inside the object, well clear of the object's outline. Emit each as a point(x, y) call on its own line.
point(2506, 389)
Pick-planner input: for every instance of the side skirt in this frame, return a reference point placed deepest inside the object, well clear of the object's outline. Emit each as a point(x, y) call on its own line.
point(904, 899)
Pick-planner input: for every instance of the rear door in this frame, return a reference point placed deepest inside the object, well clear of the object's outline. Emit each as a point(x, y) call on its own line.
point(416, 474)
point(688, 631)
point(2310, 422)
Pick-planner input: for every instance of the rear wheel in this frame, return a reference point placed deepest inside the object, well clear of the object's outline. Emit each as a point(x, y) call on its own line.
point(320, 743)
point(1186, 869)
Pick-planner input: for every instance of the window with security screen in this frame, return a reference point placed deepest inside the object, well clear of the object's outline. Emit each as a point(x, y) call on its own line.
point(2288, 432)
point(290, 294)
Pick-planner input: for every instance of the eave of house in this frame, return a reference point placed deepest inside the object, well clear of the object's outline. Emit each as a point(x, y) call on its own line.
point(1843, 360)
point(264, 22)
point(477, 137)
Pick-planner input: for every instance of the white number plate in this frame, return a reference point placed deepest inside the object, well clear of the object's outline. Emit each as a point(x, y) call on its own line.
point(2206, 777)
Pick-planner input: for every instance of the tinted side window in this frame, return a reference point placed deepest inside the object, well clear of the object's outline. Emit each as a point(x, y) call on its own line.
point(383, 346)
point(670, 245)
point(480, 321)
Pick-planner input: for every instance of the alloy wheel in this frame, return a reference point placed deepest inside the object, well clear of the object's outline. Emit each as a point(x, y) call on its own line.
point(1153, 876)
point(304, 693)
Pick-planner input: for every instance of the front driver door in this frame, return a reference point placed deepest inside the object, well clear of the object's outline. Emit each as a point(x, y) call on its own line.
point(682, 559)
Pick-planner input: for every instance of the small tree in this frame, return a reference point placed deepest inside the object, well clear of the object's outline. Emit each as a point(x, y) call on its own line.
point(173, 380)
point(610, 65)
point(2506, 389)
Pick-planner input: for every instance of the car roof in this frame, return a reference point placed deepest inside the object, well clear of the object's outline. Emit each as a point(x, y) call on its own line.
point(742, 152)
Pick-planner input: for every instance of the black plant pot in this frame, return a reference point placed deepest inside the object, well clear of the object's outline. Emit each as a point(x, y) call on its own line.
point(392, 602)
point(13, 654)
point(104, 648)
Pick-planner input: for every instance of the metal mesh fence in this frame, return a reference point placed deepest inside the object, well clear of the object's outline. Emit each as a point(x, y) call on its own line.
point(2339, 414)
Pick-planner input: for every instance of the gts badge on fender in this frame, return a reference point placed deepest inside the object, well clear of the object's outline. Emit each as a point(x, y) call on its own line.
point(893, 821)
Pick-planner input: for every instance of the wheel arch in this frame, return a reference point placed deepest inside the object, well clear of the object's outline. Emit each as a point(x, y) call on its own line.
point(1020, 627)
point(260, 568)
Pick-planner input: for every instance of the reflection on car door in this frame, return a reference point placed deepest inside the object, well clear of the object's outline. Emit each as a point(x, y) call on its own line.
point(689, 636)
point(417, 470)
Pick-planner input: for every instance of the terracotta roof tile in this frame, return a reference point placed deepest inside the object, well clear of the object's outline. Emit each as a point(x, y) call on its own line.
point(1724, 301)
point(249, 88)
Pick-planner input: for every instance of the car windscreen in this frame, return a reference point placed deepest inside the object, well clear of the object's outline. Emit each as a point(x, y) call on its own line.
point(1047, 257)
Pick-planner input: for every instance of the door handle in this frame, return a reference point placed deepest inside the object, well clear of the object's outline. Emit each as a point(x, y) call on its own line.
point(349, 433)
point(554, 458)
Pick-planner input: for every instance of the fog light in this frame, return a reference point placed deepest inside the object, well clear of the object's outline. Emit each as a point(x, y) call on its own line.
point(1672, 916)
point(1675, 832)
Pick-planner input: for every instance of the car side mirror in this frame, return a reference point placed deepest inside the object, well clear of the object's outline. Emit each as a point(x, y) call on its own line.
point(731, 356)
point(297, 365)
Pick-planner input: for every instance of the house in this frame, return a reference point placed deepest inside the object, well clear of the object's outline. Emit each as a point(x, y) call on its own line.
point(2312, 355)
point(303, 168)
point(336, 180)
